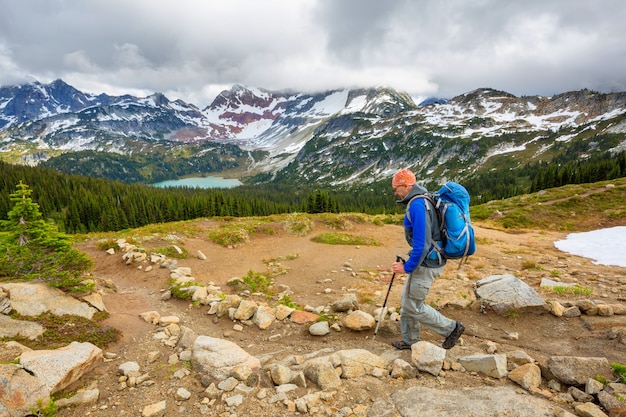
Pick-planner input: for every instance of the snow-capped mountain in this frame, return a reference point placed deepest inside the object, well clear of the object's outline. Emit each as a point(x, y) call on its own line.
point(333, 137)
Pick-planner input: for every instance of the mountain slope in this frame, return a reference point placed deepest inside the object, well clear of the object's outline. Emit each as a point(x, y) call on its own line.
point(332, 138)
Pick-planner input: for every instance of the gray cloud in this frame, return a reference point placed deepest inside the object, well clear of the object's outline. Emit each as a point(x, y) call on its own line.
point(193, 49)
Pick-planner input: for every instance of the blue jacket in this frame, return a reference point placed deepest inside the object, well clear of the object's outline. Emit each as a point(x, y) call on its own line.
point(419, 232)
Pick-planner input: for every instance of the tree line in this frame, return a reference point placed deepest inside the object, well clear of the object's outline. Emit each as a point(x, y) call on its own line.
point(79, 204)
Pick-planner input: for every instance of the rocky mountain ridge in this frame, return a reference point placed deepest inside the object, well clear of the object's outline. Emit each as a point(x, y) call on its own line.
point(333, 137)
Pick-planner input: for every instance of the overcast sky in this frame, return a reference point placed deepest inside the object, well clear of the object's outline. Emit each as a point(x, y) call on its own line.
point(193, 49)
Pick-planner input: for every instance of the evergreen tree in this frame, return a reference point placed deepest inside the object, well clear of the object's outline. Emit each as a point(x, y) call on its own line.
point(35, 249)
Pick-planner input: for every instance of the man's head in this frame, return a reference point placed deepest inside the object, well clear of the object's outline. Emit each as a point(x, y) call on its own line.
point(402, 182)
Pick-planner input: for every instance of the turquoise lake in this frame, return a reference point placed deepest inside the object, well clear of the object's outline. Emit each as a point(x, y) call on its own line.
point(201, 182)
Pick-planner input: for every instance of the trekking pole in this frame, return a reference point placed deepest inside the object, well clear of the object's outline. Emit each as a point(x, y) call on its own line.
point(382, 311)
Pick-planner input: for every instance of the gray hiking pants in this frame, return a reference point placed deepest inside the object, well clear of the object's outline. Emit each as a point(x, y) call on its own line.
point(415, 312)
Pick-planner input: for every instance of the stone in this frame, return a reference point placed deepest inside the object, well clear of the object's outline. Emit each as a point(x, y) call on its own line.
point(528, 376)
point(589, 410)
point(359, 320)
point(283, 311)
point(155, 410)
point(264, 316)
point(34, 299)
point(280, 374)
point(20, 391)
point(506, 293)
point(494, 366)
point(302, 317)
point(355, 363)
point(127, 368)
point(95, 300)
point(218, 357)
point(402, 369)
point(246, 310)
point(82, 397)
point(427, 357)
point(468, 401)
point(322, 373)
point(61, 367)
point(573, 370)
point(321, 328)
point(151, 317)
point(182, 394)
point(348, 303)
point(10, 328)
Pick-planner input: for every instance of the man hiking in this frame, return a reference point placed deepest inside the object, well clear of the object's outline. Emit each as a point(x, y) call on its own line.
point(421, 229)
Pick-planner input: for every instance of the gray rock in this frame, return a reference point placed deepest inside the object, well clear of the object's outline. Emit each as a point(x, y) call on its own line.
point(475, 402)
point(573, 370)
point(427, 357)
point(10, 328)
point(61, 367)
point(320, 328)
point(506, 293)
point(321, 372)
point(218, 357)
point(20, 391)
point(528, 376)
point(355, 363)
point(89, 396)
point(34, 299)
point(359, 320)
point(490, 365)
point(155, 410)
point(348, 303)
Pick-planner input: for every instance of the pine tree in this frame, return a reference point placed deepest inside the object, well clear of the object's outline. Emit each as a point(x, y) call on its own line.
point(35, 249)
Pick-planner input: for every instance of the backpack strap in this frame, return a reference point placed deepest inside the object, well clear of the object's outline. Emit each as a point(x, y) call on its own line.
point(429, 207)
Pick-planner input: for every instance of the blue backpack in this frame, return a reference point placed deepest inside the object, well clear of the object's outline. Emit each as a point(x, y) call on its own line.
point(452, 207)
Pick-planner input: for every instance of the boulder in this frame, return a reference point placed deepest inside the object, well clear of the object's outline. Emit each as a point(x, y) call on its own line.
point(34, 299)
point(59, 368)
point(218, 357)
point(506, 293)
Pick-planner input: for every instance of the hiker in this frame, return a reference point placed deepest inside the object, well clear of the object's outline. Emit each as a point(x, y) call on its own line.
point(424, 264)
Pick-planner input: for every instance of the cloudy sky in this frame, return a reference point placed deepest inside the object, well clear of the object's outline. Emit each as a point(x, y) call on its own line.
point(193, 49)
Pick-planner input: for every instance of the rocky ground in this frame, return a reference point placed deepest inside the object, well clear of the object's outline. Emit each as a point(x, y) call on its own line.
point(319, 274)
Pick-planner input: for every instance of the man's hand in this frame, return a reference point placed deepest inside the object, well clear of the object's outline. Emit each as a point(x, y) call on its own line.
point(398, 268)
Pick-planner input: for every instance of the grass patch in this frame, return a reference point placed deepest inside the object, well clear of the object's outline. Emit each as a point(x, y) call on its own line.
point(298, 224)
point(334, 238)
point(571, 290)
point(172, 252)
point(530, 265)
point(230, 236)
point(572, 207)
point(62, 330)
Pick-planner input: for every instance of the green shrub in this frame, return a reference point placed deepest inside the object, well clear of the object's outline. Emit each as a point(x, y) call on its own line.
point(620, 371)
point(253, 282)
point(333, 238)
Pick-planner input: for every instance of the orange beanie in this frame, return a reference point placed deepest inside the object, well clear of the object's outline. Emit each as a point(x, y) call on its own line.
point(403, 177)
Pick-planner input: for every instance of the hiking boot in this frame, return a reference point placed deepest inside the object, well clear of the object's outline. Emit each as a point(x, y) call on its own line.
point(399, 344)
point(454, 336)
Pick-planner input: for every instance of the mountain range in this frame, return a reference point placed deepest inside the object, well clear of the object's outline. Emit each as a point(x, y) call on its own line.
point(338, 138)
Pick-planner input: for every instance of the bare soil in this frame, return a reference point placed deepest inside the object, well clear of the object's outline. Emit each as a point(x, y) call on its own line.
point(322, 274)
